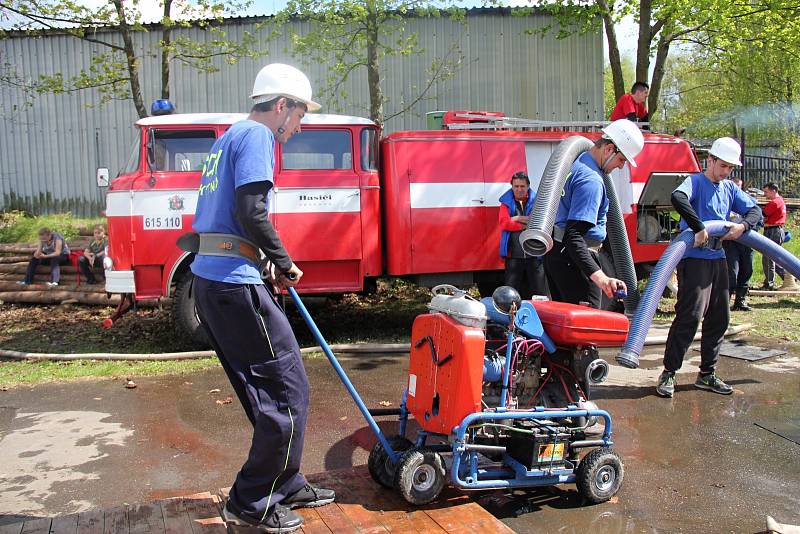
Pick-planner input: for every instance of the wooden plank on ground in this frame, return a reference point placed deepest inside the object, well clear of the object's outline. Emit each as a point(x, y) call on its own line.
point(312, 522)
point(144, 518)
point(12, 528)
point(336, 520)
point(37, 526)
point(204, 514)
point(91, 522)
point(116, 521)
point(176, 519)
point(65, 524)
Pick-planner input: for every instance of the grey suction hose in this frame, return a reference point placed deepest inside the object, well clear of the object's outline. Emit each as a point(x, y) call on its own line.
point(621, 247)
point(537, 239)
point(629, 355)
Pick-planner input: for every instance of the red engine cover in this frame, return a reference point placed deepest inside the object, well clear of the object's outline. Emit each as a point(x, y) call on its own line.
point(441, 393)
point(571, 324)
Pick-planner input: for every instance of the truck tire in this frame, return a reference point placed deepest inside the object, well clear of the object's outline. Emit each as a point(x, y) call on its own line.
point(185, 315)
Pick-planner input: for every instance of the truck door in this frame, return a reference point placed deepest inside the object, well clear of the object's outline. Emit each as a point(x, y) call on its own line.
point(316, 207)
point(447, 202)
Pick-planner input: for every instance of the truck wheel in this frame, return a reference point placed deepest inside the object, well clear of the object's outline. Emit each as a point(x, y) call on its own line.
point(419, 475)
point(184, 313)
point(599, 475)
point(380, 467)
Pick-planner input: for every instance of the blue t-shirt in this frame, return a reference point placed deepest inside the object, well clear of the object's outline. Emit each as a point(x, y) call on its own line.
point(713, 202)
point(244, 154)
point(584, 198)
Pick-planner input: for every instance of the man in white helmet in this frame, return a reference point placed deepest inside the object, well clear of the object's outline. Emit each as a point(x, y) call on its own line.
point(572, 265)
point(703, 291)
point(247, 328)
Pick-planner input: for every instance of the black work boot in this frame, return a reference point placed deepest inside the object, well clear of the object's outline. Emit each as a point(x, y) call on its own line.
point(740, 304)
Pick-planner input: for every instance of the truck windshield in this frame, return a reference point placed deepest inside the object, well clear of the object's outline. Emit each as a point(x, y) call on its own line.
point(181, 150)
point(132, 164)
point(318, 149)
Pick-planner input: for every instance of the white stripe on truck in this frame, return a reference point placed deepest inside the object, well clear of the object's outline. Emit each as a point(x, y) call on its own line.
point(184, 202)
point(457, 194)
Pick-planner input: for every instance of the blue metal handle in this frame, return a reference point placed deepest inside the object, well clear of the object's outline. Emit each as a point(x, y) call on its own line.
point(393, 456)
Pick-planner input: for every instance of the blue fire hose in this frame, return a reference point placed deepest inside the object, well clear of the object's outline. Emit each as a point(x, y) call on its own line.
point(629, 355)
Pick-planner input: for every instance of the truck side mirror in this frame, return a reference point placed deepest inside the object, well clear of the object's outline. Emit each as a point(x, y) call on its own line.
point(102, 177)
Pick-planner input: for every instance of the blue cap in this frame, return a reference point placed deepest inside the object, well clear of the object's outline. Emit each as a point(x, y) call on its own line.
point(162, 106)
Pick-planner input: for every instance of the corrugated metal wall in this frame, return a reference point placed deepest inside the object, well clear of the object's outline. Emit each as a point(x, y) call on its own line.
point(49, 151)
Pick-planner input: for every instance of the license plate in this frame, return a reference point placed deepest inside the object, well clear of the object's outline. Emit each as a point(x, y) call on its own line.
point(163, 222)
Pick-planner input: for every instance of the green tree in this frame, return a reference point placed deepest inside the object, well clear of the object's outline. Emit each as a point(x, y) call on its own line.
point(349, 35)
point(114, 69)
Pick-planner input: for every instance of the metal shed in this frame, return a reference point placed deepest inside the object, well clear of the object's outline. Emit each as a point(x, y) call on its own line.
point(49, 151)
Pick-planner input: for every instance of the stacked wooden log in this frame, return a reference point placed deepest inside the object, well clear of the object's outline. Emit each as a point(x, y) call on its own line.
point(14, 258)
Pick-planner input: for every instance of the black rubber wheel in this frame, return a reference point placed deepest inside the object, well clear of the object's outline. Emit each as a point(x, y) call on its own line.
point(419, 476)
point(380, 467)
point(599, 475)
point(184, 313)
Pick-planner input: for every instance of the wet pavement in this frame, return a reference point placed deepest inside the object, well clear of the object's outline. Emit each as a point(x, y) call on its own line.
point(697, 463)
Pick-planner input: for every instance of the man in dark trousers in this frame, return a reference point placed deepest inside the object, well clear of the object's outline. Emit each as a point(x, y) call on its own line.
point(246, 327)
point(523, 272)
point(740, 265)
point(774, 219)
point(573, 265)
point(703, 271)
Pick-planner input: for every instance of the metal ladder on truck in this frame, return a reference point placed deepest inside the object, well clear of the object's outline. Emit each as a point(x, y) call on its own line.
point(491, 121)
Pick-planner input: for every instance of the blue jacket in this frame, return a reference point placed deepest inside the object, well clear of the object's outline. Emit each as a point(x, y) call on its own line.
point(508, 201)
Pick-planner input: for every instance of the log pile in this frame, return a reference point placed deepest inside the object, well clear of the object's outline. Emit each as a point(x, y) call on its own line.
point(14, 259)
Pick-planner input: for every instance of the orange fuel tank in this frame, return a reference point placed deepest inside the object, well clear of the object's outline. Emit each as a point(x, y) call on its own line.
point(445, 372)
point(569, 325)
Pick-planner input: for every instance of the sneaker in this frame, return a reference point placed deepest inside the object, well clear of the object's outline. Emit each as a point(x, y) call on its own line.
point(280, 521)
point(22, 283)
point(710, 382)
point(666, 384)
point(309, 497)
point(768, 287)
point(52, 284)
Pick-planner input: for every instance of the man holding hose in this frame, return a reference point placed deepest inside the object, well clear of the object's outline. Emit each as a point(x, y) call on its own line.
point(703, 271)
point(572, 265)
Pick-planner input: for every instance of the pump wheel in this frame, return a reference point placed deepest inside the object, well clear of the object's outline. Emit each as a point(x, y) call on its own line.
point(600, 475)
point(380, 467)
point(419, 477)
point(184, 313)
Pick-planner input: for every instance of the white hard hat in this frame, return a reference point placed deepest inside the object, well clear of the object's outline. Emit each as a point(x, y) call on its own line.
point(727, 149)
point(628, 138)
point(277, 79)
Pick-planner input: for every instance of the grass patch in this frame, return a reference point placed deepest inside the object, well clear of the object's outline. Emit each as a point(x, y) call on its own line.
point(20, 227)
point(14, 372)
point(793, 246)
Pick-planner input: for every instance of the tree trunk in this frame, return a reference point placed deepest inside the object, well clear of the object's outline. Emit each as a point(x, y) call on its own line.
point(166, 37)
point(132, 62)
point(614, 58)
point(645, 40)
point(373, 68)
point(662, 51)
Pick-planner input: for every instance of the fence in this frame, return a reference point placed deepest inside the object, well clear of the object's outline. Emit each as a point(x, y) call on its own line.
point(760, 170)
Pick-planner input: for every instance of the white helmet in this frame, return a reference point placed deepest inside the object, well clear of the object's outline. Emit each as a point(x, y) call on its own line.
point(628, 138)
point(726, 149)
point(277, 79)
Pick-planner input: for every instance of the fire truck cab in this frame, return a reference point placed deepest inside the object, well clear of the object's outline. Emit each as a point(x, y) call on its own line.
point(426, 209)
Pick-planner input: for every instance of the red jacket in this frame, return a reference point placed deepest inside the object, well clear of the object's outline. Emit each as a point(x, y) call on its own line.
point(775, 212)
point(627, 105)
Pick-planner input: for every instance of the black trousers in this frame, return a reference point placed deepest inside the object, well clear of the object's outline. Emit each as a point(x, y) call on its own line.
point(702, 294)
point(566, 281)
point(87, 269)
point(740, 264)
point(526, 275)
point(258, 350)
point(54, 263)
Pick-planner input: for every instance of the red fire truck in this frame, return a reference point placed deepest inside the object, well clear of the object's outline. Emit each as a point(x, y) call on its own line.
point(351, 206)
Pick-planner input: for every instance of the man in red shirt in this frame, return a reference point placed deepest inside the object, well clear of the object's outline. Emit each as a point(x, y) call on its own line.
point(631, 105)
point(774, 219)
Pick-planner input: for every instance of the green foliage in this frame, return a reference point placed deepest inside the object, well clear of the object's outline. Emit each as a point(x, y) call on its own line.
point(19, 227)
point(609, 98)
point(354, 35)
